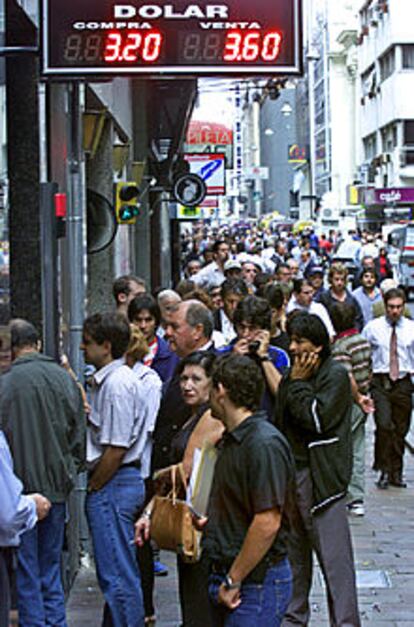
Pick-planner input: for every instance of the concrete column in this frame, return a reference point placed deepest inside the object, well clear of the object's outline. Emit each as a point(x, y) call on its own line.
point(22, 75)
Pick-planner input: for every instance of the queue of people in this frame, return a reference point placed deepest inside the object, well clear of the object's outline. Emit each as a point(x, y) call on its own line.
point(263, 351)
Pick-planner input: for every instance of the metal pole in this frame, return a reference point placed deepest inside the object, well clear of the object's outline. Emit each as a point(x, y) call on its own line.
point(76, 251)
point(75, 224)
point(312, 57)
point(48, 239)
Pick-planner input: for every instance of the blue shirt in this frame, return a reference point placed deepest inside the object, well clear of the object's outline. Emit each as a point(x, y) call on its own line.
point(17, 512)
point(281, 362)
point(365, 302)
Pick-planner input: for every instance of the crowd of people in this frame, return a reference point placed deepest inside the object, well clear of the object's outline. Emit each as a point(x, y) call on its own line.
point(266, 349)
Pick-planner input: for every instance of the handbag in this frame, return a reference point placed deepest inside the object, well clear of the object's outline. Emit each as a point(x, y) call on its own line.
point(171, 522)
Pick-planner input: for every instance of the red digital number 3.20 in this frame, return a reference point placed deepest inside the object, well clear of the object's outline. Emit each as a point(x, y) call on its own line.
point(132, 47)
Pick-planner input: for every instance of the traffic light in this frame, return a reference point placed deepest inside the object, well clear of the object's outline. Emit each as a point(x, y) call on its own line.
point(127, 204)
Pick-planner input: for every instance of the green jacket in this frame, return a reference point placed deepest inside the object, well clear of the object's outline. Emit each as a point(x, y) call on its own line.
point(315, 417)
point(41, 413)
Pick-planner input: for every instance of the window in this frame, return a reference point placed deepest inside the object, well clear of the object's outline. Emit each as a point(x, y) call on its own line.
point(389, 137)
point(368, 82)
point(370, 146)
point(408, 56)
point(387, 64)
point(409, 132)
point(408, 138)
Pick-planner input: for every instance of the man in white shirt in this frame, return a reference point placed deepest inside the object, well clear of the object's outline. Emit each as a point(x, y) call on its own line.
point(302, 299)
point(392, 341)
point(116, 438)
point(232, 292)
point(213, 273)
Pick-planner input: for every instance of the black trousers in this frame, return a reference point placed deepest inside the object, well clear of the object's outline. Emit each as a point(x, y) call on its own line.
point(393, 405)
point(193, 591)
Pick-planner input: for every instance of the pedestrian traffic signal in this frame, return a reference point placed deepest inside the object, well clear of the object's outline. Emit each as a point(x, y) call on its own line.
point(127, 204)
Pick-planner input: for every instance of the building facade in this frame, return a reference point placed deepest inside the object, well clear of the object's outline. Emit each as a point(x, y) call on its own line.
point(386, 74)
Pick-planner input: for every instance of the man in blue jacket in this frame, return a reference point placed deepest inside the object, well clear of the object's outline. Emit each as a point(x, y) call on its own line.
point(18, 513)
point(252, 320)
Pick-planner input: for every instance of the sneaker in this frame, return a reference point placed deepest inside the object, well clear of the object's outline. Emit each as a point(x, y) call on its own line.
point(160, 569)
point(356, 508)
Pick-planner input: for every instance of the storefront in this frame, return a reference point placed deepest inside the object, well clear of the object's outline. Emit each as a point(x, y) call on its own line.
point(386, 205)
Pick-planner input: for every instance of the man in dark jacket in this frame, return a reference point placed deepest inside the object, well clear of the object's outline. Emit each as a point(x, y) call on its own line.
point(189, 329)
point(41, 413)
point(313, 410)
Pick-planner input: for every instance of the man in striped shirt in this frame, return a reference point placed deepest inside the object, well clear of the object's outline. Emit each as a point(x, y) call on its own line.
point(354, 352)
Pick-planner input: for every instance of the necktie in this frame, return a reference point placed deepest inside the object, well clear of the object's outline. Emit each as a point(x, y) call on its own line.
point(394, 366)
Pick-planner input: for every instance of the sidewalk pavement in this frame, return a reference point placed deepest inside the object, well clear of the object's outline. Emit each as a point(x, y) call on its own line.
point(384, 556)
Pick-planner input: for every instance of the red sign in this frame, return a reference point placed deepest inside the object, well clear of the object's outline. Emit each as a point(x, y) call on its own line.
point(209, 133)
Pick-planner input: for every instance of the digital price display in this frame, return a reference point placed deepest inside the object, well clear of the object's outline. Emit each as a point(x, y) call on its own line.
point(98, 37)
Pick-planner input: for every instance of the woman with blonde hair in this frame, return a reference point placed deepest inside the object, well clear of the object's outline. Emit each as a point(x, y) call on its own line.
point(150, 398)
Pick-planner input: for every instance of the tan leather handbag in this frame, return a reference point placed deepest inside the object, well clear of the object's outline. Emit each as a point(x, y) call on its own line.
point(171, 522)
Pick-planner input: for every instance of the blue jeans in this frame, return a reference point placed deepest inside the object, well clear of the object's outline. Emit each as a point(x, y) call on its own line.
point(40, 597)
point(111, 513)
point(262, 604)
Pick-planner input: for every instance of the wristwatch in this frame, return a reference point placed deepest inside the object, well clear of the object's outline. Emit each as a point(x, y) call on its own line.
point(264, 358)
point(229, 584)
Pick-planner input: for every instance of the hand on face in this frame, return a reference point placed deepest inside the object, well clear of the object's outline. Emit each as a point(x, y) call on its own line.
point(304, 365)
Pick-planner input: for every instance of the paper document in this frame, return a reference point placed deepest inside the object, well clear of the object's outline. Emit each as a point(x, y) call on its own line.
point(201, 480)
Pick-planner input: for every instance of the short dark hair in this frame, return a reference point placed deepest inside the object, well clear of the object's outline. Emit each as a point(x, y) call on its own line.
point(111, 327)
point(310, 327)
point(283, 266)
point(260, 281)
point(343, 316)
point(23, 334)
point(144, 302)
point(204, 359)
point(217, 244)
point(234, 286)
point(121, 285)
point(274, 296)
point(242, 379)
point(394, 292)
point(298, 284)
point(369, 271)
point(185, 286)
point(198, 313)
point(253, 310)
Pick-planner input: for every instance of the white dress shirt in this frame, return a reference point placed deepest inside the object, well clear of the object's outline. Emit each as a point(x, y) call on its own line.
point(117, 413)
point(315, 308)
point(151, 387)
point(209, 276)
point(378, 333)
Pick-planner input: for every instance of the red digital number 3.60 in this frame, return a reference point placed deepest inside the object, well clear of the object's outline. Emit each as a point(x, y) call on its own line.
point(250, 46)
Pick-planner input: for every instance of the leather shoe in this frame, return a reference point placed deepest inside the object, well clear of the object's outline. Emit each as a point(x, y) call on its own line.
point(383, 481)
point(397, 481)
